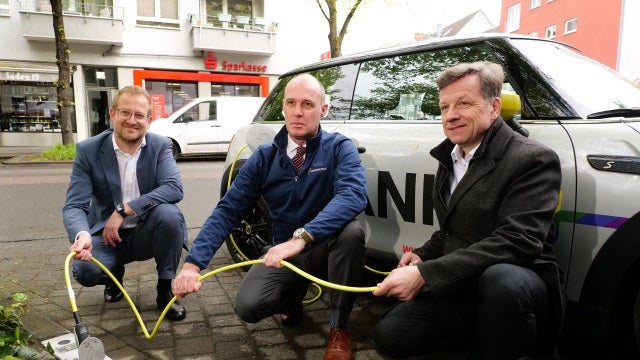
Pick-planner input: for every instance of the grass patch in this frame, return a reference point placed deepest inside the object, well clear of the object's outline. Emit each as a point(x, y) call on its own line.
point(59, 152)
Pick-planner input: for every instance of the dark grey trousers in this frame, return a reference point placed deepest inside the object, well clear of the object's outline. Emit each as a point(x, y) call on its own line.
point(160, 235)
point(500, 319)
point(266, 291)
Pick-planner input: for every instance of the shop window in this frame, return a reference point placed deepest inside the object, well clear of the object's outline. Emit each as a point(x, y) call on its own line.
point(27, 107)
point(158, 13)
point(221, 89)
point(174, 94)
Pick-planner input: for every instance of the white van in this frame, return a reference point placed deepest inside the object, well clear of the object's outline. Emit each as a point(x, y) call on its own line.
point(205, 126)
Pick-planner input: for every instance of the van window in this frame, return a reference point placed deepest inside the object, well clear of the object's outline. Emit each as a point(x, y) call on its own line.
point(203, 111)
point(403, 87)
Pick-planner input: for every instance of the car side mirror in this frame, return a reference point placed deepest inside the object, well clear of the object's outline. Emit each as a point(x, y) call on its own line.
point(511, 107)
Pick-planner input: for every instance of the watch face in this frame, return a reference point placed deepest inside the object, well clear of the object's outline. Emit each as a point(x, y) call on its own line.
point(298, 232)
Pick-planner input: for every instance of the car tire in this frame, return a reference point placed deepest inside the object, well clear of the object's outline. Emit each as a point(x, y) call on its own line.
point(249, 238)
point(175, 149)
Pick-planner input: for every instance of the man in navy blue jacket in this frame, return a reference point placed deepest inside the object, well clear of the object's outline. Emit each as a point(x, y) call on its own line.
point(313, 213)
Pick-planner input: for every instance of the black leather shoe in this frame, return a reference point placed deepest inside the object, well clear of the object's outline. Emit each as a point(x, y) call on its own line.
point(111, 291)
point(176, 311)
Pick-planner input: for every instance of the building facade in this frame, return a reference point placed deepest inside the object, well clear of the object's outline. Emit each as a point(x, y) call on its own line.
point(177, 50)
point(605, 30)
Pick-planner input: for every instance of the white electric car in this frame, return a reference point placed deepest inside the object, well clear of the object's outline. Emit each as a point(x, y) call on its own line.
point(387, 102)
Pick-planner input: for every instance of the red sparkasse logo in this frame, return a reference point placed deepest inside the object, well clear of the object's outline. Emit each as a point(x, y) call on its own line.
point(210, 61)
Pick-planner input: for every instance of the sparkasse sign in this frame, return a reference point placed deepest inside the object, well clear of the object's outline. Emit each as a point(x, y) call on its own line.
point(211, 62)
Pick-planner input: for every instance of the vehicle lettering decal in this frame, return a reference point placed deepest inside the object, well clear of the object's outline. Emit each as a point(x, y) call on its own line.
point(407, 206)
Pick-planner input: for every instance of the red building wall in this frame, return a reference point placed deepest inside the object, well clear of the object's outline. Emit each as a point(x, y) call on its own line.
point(598, 30)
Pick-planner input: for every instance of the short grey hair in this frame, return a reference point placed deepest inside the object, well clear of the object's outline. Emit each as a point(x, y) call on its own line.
point(491, 77)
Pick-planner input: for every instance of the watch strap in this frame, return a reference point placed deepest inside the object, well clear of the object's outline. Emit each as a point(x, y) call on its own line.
point(306, 237)
point(120, 210)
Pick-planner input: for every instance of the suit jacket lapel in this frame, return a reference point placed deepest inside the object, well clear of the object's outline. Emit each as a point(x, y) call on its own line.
point(109, 163)
point(472, 176)
point(485, 160)
point(142, 169)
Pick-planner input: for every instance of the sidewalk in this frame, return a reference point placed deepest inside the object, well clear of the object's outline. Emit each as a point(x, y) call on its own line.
point(13, 154)
point(11, 151)
point(211, 330)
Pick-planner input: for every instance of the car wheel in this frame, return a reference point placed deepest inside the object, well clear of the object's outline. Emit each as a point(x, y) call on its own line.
point(175, 150)
point(249, 238)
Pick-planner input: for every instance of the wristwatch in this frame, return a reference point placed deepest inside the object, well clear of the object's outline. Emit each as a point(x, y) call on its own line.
point(301, 233)
point(120, 210)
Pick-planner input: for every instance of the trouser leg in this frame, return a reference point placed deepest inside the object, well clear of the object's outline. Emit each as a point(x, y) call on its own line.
point(160, 235)
point(266, 291)
point(343, 263)
point(513, 303)
point(426, 324)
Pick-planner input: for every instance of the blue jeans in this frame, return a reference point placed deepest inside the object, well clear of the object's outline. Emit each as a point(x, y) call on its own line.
point(160, 235)
point(501, 316)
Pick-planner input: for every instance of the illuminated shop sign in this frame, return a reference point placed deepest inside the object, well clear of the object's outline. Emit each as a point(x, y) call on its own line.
point(211, 62)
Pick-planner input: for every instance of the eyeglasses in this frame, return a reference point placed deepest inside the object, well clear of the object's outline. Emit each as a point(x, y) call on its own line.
point(125, 114)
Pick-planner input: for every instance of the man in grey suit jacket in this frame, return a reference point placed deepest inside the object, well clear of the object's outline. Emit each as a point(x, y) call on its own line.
point(488, 276)
point(121, 202)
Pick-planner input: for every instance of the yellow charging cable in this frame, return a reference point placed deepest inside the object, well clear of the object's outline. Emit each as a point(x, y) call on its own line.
point(74, 307)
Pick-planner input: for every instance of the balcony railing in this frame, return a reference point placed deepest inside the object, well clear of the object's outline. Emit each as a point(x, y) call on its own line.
point(85, 23)
point(223, 32)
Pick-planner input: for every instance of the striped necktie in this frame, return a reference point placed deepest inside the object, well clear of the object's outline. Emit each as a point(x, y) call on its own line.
point(298, 159)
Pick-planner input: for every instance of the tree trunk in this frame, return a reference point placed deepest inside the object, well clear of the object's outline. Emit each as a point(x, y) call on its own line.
point(63, 86)
point(331, 15)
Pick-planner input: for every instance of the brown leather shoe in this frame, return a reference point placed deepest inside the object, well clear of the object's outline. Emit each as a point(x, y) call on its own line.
point(339, 346)
point(292, 318)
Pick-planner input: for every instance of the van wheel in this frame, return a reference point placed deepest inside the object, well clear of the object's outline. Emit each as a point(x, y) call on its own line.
point(253, 233)
point(175, 149)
